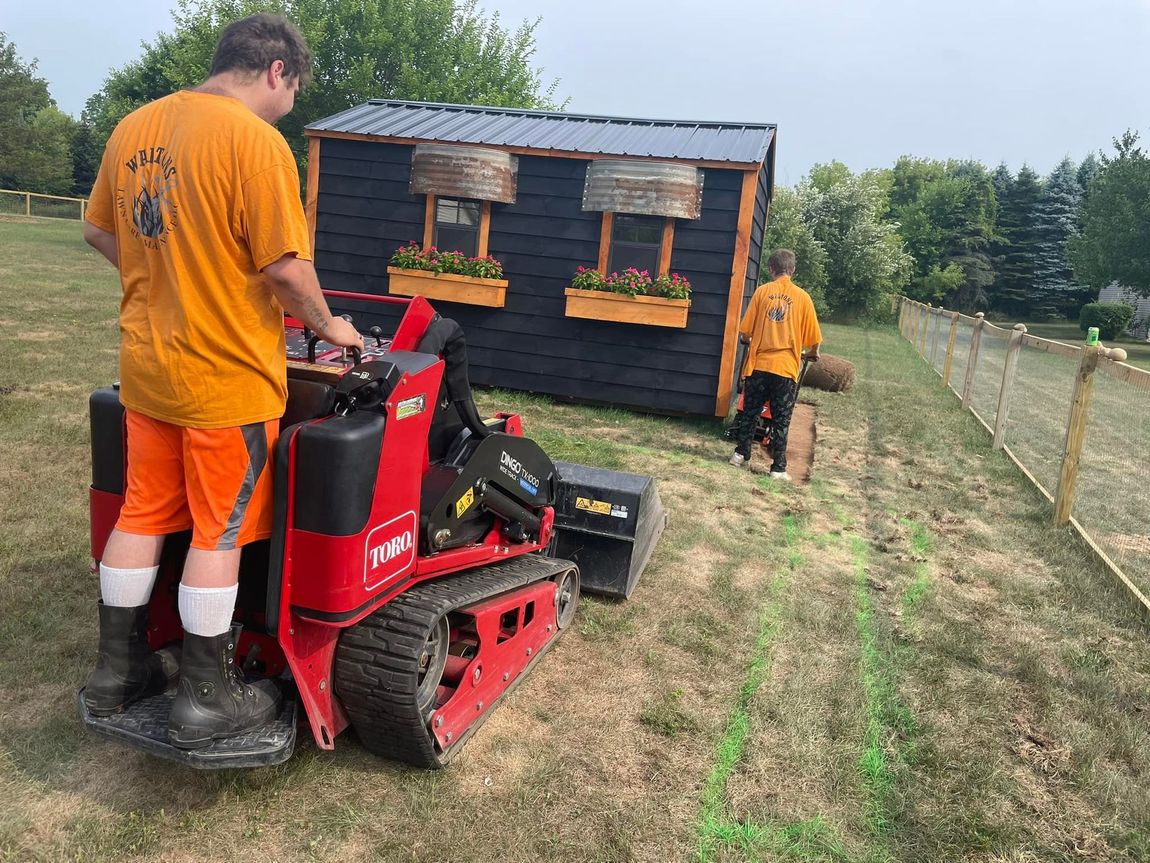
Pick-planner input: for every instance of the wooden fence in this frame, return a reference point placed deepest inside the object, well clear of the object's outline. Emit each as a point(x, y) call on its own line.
point(1072, 418)
point(34, 205)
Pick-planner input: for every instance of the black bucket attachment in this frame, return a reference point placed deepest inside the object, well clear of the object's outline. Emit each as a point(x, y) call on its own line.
point(607, 522)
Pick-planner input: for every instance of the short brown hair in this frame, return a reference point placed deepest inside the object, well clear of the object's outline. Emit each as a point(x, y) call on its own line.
point(781, 262)
point(252, 44)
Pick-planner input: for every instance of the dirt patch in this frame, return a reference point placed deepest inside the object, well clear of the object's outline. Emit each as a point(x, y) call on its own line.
point(801, 442)
point(800, 445)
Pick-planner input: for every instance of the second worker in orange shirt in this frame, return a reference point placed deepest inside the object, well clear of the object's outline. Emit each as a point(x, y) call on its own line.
point(779, 324)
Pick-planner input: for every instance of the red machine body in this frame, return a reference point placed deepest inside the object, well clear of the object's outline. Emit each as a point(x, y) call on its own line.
point(321, 582)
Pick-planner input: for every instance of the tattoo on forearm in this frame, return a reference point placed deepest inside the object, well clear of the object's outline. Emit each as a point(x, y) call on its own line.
point(315, 314)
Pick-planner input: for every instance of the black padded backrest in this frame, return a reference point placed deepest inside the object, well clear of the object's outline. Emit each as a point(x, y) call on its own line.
point(307, 400)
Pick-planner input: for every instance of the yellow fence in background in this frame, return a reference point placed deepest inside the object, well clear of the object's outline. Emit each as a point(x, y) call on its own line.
point(1074, 419)
point(39, 206)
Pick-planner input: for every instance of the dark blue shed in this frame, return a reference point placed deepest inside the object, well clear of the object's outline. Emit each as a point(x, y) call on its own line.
point(545, 193)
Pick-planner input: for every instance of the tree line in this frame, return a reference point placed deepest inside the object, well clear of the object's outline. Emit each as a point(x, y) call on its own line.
point(957, 234)
point(433, 50)
point(949, 232)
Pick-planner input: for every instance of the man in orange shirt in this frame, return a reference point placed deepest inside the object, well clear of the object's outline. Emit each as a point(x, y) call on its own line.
point(197, 205)
point(778, 325)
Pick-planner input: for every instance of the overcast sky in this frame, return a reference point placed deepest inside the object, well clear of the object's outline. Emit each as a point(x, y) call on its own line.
point(863, 82)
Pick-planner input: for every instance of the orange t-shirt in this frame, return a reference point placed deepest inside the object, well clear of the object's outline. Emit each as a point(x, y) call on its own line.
point(202, 195)
point(780, 322)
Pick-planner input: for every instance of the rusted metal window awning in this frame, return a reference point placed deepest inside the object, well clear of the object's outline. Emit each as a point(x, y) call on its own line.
point(451, 171)
point(646, 188)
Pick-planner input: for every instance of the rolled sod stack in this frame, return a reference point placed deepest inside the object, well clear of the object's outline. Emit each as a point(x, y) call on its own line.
point(833, 374)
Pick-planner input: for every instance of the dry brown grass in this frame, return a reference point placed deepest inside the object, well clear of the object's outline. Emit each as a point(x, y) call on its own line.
point(1011, 695)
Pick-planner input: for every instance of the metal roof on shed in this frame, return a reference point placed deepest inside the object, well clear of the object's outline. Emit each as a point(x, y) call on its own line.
point(744, 143)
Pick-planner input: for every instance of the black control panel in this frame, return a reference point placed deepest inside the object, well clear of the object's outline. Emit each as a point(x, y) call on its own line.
point(310, 358)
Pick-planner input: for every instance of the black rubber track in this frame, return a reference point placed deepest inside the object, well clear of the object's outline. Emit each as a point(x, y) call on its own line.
point(377, 661)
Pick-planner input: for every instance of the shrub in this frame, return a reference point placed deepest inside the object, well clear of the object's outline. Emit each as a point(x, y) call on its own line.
point(633, 283)
point(1112, 319)
point(414, 257)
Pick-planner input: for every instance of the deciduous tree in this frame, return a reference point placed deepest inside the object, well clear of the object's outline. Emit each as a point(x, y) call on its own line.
point(34, 133)
point(432, 50)
point(1115, 241)
point(866, 260)
point(790, 228)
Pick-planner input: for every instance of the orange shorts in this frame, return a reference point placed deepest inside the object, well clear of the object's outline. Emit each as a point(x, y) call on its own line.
point(217, 482)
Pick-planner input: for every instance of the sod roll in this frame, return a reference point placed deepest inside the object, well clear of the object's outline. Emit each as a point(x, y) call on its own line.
point(833, 374)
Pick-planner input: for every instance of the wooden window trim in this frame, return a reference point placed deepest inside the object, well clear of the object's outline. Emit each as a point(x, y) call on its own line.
point(665, 243)
point(484, 225)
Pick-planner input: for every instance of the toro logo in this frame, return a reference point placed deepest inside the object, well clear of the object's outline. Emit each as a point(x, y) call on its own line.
point(389, 550)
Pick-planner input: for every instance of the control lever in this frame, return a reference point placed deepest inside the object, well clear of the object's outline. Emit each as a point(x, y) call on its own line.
point(377, 333)
point(343, 352)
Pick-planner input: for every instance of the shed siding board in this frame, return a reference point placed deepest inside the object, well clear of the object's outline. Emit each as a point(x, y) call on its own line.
point(365, 212)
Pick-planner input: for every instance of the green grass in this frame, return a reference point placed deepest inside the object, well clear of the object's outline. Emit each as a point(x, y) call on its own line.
point(901, 661)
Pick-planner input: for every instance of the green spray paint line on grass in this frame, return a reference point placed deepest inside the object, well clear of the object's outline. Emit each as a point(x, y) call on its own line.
point(887, 719)
point(919, 546)
point(713, 828)
point(810, 841)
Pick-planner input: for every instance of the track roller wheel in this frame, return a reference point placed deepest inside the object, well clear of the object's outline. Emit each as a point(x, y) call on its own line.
point(566, 597)
point(409, 672)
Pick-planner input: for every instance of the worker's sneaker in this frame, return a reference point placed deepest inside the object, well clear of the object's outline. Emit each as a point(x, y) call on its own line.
point(780, 475)
point(737, 460)
point(213, 701)
point(126, 670)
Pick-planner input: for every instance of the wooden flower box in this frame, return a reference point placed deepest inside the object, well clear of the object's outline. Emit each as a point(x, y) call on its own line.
point(606, 306)
point(447, 286)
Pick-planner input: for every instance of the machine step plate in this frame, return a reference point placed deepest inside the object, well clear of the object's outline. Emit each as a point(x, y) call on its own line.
point(144, 726)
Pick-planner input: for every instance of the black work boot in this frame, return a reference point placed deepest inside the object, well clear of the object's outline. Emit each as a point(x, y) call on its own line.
point(126, 670)
point(213, 701)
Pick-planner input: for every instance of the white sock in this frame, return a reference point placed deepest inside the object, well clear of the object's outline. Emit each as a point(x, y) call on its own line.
point(127, 588)
point(207, 611)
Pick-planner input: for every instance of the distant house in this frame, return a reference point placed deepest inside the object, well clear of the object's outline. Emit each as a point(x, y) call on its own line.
point(545, 193)
point(1115, 293)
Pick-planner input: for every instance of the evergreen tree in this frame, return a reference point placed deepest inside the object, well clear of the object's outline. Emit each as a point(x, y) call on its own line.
point(1056, 223)
point(1014, 290)
point(1087, 171)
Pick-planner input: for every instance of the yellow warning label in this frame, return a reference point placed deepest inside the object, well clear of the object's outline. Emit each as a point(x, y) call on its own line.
point(599, 507)
point(464, 503)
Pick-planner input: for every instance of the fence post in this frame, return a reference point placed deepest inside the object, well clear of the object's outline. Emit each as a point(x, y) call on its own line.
point(946, 364)
point(28, 204)
point(1076, 433)
point(925, 326)
point(972, 360)
point(83, 206)
point(1009, 370)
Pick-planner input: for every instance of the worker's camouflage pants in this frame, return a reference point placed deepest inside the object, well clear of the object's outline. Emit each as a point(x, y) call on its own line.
point(759, 389)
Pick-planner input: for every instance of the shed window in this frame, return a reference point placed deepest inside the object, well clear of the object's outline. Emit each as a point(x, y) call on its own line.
point(631, 240)
point(457, 226)
point(636, 241)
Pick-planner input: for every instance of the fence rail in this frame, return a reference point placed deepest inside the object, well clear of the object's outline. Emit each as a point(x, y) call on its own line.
point(35, 205)
point(1072, 418)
